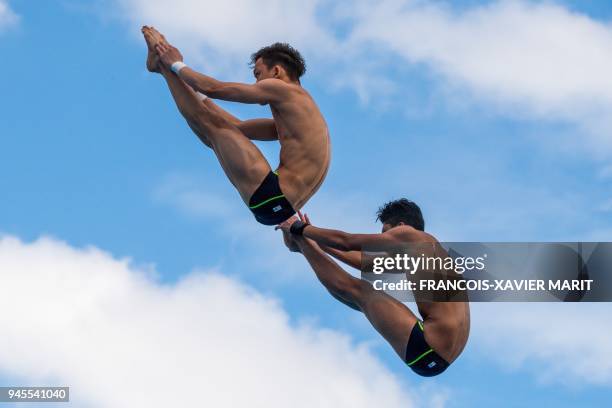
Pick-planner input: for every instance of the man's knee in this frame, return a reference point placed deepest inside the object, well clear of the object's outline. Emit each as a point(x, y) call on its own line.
point(210, 120)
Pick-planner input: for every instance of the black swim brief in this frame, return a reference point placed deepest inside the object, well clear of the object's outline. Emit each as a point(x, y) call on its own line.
point(268, 203)
point(420, 356)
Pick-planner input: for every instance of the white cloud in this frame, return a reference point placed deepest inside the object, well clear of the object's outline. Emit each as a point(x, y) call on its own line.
point(186, 194)
point(567, 343)
point(222, 35)
point(120, 339)
point(555, 343)
point(540, 54)
point(220, 208)
point(223, 212)
point(534, 60)
point(8, 17)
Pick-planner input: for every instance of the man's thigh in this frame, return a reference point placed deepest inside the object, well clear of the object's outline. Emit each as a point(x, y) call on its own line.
point(199, 133)
point(391, 318)
point(243, 163)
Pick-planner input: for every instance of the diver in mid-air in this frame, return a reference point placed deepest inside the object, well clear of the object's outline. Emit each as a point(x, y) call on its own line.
point(427, 346)
point(272, 195)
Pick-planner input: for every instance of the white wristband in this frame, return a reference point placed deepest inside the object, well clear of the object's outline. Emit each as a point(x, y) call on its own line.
point(177, 66)
point(201, 96)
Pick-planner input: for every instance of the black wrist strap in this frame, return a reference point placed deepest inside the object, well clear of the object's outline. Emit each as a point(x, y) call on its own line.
point(297, 228)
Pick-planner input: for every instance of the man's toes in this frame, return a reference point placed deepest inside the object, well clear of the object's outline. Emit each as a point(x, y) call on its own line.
point(157, 34)
point(151, 41)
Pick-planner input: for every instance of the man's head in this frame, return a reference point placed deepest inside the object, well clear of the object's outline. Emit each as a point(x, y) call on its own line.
point(279, 60)
point(400, 212)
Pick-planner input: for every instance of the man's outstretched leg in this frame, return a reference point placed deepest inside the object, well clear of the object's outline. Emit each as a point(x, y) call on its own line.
point(390, 318)
point(153, 37)
point(243, 163)
point(394, 321)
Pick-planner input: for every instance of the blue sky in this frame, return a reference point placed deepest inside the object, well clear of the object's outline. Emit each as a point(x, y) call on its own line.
point(94, 153)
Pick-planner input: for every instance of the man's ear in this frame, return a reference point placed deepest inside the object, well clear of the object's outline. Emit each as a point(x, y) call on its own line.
point(276, 71)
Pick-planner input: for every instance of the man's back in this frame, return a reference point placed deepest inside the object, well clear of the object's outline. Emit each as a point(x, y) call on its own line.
point(305, 145)
point(448, 323)
point(448, 326)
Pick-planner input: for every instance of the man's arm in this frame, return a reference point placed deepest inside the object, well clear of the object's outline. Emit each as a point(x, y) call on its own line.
point(345, 241)
point(351, 258)
point(255, 129)
point(259, 129)
point(263, 92)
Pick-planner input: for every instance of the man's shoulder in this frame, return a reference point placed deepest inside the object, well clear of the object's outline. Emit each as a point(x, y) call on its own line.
point(412, 234)
point(281, 87)
point(275, 83)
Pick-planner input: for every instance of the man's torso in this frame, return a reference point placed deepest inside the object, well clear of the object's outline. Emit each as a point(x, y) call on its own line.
point(447, 323)
point(305, 146)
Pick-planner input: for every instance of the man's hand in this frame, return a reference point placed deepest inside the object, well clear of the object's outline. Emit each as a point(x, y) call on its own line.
point(289, 239)
point(285, 226)
point(168, 54)
point(304, 217)
point(290, 242)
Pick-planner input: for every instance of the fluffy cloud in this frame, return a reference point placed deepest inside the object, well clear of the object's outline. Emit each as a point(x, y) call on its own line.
point(538, 59)
point(565, 343)
point(7, 16)
point(185, 193)
point(120, 339)
point(219, 208)
point(222, 35)
point(539, 54)
point(537, 338)
point(535, 60)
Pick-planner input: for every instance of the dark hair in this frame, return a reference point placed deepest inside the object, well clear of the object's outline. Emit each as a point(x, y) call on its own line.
point(284, 55)
point(401, 210)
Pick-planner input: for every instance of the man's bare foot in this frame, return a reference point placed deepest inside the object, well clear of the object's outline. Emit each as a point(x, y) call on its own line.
point(153, 64)
point(159, 37)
